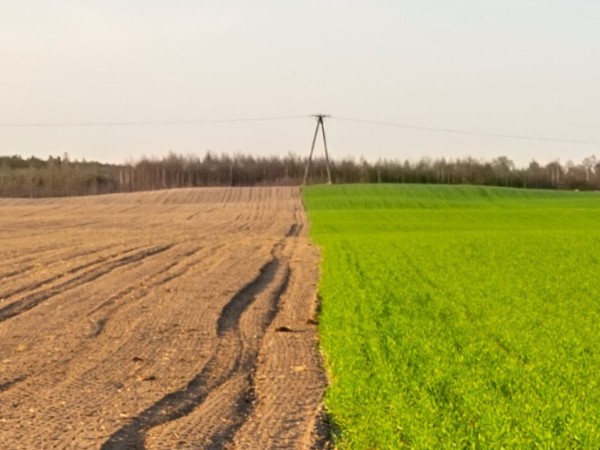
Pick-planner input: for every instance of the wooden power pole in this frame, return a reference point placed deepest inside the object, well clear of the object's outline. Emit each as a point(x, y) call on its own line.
point(320, 124)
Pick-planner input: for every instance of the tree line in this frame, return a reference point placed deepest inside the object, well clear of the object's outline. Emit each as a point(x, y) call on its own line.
point(61, 176)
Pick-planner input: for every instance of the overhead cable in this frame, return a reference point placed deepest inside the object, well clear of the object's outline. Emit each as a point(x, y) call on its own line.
point(277, 118)
point(465, 132)
point(143, 123)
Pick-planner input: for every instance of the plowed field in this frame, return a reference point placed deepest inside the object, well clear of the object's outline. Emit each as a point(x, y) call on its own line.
point(160, 320)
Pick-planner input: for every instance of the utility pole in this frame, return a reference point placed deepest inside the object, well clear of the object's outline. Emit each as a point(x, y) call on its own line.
point(320, 124)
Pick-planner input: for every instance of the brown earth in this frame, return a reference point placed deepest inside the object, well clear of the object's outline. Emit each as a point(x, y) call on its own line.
point(161, 320)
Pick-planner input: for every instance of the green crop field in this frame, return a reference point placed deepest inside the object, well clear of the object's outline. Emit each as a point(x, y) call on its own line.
point(460, 317)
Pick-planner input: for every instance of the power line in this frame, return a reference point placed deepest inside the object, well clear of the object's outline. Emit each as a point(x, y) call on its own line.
point(143, 123)
point(281, 118)
point(464, 132)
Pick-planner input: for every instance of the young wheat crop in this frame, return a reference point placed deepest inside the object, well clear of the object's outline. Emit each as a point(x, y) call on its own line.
point(460, 317)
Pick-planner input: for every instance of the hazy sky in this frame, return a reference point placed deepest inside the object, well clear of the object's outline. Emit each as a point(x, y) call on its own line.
point(519, 67)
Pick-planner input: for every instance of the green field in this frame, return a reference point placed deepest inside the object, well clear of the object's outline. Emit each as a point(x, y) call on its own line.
point(460, 317)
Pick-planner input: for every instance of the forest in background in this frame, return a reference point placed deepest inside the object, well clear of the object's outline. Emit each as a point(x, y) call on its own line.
point(61, 176)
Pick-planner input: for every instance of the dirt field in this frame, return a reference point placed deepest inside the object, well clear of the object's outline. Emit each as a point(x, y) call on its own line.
point(161, 320)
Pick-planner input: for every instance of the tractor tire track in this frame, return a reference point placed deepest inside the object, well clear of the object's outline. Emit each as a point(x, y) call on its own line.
point(228, 406)
point(34, 300)
point(8, 384)
point(231, 357)
point(163, 276)
point(288, 383)
point(148, 283)
point(64, 274)
point(96, 323)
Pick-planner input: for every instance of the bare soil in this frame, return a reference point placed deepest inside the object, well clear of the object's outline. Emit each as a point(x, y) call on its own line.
point(159, 320)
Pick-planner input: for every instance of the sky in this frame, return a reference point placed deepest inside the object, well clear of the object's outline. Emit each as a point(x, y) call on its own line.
point(508, 67)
